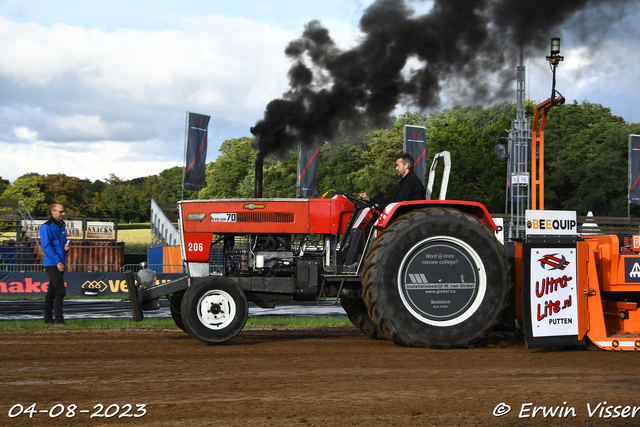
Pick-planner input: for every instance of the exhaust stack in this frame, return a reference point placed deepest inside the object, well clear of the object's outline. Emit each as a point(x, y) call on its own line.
point(258, 179)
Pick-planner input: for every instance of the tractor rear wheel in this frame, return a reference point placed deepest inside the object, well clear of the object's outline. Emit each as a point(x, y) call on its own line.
point(214, 309)
point(357, 313)
point(436, 277)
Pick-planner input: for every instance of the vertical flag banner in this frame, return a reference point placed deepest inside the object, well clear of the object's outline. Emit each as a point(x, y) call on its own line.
point(195, 151)
point(634, 169)
point(307, 169)
point(415, 143)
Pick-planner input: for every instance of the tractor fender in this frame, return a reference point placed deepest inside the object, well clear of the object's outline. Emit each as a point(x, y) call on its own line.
point(394, 210)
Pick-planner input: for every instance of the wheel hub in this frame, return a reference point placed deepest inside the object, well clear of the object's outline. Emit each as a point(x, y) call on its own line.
point(216, 309)
point(439, 281)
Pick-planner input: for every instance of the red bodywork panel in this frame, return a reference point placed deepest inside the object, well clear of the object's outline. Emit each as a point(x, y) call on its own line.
point(473, 208)
point(202, 219)
point(197, 246)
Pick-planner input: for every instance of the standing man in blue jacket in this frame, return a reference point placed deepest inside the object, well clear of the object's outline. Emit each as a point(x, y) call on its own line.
point(53, 237)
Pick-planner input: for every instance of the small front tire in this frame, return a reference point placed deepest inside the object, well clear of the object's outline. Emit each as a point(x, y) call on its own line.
point(175, 304)
point(214, 309)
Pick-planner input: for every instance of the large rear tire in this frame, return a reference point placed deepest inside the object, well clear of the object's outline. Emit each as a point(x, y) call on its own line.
point(214, 309)
point(436, 277)
point(357, 313)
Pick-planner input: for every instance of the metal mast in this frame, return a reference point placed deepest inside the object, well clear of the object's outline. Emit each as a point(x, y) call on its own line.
point(518, 180)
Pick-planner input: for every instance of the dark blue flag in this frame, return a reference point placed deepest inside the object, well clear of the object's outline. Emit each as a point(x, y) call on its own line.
point(634, 169)
point(307, 169)
point(195, 151)
point(415, 143)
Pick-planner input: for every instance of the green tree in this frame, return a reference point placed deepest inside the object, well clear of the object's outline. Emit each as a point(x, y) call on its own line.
point(91, 197)
point(280, 177)
point(66, 190)
point(4, 183)
point(378, 177)
point(586, 160)
point(377, 159)
point(336, 167)
point(225, 175)
point(120, 199)
point(30, 189)
point(470, 135)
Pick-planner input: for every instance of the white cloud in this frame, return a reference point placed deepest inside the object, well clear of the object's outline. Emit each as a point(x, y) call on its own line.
point(125, 160)
point(87, 101)
point(70, 84)
point(214, 62)
point(24, 133)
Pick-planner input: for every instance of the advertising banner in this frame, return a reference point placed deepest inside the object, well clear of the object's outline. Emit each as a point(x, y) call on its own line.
point(307, 169)
point(32, 228)
point(100, 230)
point(499, 232)
point(553, 292)
point(75, 228)
point(415, 143)
point(103, 230)
point(634, 169)
point(89, 284)
point(195, 151)
point(550, 285)
point(557, 223)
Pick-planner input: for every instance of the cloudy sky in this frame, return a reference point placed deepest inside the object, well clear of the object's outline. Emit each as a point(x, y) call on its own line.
point(91, 88)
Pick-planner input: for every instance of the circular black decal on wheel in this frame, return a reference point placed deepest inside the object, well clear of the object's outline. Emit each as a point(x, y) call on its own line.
point(439, 282)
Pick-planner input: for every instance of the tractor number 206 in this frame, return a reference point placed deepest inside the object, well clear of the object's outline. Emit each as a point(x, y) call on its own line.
point(195, 247)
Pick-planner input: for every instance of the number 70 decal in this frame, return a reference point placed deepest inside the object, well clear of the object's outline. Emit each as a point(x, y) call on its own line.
point(223, 217)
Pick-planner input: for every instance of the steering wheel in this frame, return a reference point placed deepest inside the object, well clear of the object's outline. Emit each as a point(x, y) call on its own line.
point(358, 202)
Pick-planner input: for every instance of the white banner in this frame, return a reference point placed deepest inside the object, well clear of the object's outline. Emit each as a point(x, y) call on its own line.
point(551, 222)
point(554, 294)
point(499, 222)
point(103, 230)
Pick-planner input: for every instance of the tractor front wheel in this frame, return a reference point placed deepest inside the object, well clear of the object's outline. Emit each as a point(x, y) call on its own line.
point(175, 303)
point(214, 309)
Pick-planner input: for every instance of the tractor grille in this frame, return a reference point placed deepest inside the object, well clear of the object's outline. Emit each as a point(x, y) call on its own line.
point(265, 217)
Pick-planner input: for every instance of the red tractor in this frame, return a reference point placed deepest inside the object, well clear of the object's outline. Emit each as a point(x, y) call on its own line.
point(426, 273)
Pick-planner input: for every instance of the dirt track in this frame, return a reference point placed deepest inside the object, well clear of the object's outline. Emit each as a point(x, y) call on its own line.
point(334, 377)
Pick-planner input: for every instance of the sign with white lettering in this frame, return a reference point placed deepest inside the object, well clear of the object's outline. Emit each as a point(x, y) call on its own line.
point(553, 292)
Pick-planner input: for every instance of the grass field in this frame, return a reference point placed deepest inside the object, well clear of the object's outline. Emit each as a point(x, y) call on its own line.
point(137, 237)
point(254, 322)
point(136, 241)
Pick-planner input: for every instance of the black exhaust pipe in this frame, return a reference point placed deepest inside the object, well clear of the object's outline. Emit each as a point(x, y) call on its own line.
point(258, 179)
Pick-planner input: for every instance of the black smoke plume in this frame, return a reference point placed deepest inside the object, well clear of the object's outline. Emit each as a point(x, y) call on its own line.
point(468, 47)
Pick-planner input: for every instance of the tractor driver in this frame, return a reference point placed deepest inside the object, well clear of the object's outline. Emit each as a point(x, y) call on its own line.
point(411, 188)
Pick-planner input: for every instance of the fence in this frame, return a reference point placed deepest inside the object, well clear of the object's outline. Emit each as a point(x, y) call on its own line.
point(590, 225)
point(92, 268)
point(214, 269)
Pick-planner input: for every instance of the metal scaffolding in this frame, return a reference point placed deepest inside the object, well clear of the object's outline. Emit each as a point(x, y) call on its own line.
point(518, 183)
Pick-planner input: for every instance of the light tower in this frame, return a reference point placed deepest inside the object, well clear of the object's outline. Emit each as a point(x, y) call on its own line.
point(518, 177)
point(537, 135)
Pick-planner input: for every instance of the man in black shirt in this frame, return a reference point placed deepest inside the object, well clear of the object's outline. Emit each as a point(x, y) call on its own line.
point(411, 188)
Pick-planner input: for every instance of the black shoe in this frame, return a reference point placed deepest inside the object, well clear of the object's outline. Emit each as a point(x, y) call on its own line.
point(48, 321)
point(59, 322)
